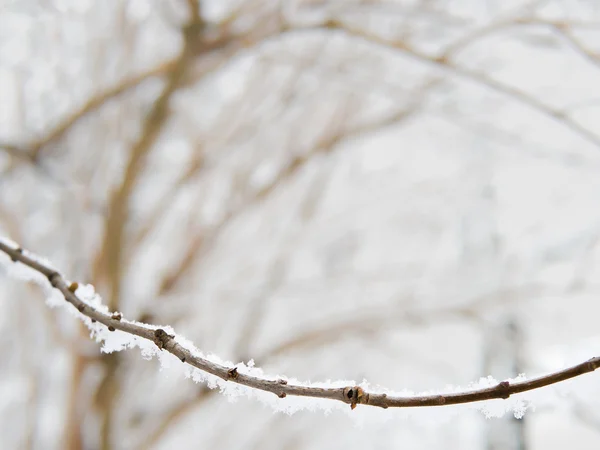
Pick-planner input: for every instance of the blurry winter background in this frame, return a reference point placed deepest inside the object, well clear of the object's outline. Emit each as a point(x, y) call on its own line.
point(399, 191)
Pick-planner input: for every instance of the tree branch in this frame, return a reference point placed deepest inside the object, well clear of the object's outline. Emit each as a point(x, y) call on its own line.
point(444, 63)
point(31, 152)
point(325, 144)
point(352, 395)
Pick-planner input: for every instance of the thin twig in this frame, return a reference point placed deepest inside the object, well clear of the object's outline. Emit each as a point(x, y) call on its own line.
point(465, 73)
point(352, 395)
point(158, 430)
point(31, 152)
point(591, 56)
point(326, 144)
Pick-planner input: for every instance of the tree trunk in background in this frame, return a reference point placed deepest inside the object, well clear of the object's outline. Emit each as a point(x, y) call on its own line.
point(482, 247)
point(502, 360)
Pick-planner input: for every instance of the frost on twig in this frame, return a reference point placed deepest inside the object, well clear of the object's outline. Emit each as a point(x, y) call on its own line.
point(117, 333)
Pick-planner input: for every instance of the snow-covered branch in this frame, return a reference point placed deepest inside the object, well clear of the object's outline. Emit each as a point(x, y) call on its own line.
point(351, 394)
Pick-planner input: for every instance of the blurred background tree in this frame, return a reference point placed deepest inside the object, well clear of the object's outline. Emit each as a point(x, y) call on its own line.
point(402, 191)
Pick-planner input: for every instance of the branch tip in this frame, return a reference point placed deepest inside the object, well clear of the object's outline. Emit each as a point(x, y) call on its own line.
point(594, 363)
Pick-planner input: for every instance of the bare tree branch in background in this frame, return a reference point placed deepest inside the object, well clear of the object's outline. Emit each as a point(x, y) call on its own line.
point(443, 62)
point(327, 144)
point(31, 152)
